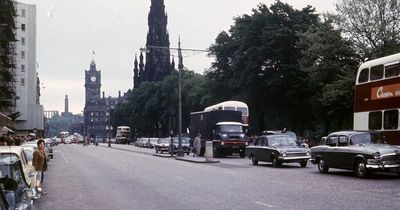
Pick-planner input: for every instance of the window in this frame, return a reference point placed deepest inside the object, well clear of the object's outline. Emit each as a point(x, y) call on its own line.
point(23, 27)
point(22, 68)
point(392, 70)
point(376, 72)
point(332, 141)
point(23, 12)
point(23, 40)
point(363, 77)
point(22, 81)
point(375, 120)
point(22, 54)
point(391, 119)
point(343, 141)
point(259, 141)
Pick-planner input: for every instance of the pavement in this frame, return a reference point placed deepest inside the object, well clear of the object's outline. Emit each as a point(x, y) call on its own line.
point(147, 151)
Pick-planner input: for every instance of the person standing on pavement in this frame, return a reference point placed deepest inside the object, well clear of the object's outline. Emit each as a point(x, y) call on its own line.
point(197, 145)
point(39, 161)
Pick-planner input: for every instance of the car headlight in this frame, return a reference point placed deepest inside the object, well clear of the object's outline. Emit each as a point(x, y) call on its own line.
point(242, 135)
point(377, 155)
point(308, 153)
point(224, 135)
point(283, 153)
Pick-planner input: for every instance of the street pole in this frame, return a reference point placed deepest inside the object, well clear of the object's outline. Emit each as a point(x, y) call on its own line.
point(180, 68)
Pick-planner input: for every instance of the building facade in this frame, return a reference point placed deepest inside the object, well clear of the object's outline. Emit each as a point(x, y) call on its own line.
point(27, 82)
point(97, 108)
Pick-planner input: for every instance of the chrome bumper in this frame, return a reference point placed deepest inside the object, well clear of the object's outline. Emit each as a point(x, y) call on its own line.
point(294, 158)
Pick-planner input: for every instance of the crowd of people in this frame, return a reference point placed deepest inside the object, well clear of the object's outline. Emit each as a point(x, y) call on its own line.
point(9, 140)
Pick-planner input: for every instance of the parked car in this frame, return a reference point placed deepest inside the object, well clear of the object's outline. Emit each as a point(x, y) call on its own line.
point(17, 153)
point(49, 147)
point(141, 142)
point(162, 145)
point(17, 192)
point(151, 143)
point(360, 151)
point(278, 149)
point(185, 144)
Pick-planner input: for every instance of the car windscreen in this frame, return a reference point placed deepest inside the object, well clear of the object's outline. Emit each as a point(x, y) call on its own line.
point(277, 141)
point(184, 140)
point(368, 138)
point(230, 128)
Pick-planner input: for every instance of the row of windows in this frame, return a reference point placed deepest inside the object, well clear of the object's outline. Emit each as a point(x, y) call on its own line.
point(379, 72)
point(390, 120)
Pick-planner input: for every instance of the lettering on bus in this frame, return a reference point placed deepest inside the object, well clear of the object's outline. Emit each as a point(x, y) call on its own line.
point(388, 91)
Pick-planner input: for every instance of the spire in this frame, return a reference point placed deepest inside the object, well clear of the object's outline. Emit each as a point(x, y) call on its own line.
point(135, 73)
point(157, 60)
point(173, 63)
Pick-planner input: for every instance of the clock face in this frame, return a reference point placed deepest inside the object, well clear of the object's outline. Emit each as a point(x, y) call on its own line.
point(93, 79)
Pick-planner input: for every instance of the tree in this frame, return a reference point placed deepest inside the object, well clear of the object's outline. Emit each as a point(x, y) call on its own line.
point(257, 62)
point(373, 25)
point(330, 66)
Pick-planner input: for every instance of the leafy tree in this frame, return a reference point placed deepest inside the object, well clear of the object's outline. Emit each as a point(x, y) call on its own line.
point(330, 65)
point(152, 109)
point(257, 62)
point(373, 26)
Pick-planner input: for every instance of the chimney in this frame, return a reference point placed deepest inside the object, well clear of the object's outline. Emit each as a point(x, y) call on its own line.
point(119, 94)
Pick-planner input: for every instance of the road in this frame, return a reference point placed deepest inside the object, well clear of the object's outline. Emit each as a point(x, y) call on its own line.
point(108, 178)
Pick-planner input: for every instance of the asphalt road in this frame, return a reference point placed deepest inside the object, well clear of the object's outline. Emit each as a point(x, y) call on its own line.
point(108, 178)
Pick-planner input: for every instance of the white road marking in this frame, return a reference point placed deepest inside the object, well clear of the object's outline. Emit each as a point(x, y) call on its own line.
point(65, 158)
point(264, 204)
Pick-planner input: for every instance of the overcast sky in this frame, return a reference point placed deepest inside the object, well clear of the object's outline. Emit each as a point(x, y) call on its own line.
point(68, 31)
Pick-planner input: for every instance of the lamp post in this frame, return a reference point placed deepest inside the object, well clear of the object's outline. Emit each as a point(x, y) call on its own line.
point(179, 153)
point(180, 68)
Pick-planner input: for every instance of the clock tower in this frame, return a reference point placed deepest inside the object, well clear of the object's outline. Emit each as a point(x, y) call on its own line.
point(92, 85)
point(94, 111)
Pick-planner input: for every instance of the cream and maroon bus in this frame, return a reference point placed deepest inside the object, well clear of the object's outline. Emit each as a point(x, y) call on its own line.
point(377, 97)
point(234, 106)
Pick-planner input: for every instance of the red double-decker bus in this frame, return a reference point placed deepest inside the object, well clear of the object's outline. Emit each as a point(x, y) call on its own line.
point(377, 97)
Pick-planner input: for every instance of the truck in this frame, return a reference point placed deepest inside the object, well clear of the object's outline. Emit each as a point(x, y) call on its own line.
point(123, 135)
point(223, 127)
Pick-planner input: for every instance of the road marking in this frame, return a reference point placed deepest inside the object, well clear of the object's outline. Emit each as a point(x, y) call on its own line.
point(264, 204)
point(65, 158)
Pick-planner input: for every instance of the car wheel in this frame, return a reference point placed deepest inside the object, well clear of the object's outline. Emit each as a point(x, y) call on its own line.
point(242, 154)
point(303, 163)
point(156, 150)
point(322, 167)
point(361, 169)
point(275, 162)
point(253, 160)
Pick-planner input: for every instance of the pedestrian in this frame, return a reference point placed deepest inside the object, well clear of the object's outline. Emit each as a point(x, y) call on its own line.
point(39, 161)
point(197, 145)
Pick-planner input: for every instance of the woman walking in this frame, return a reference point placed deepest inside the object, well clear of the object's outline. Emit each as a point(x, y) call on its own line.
point(39, 161)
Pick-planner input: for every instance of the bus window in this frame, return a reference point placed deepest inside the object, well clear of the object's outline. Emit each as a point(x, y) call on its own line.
point(391, 119)
point(375, 120)
point(229, 108)
point(363, 77)
point(392, 70)
point(376, 72)
point(243, 110)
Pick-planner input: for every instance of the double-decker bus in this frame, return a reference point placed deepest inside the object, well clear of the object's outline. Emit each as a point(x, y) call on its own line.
point(377, 97)
point(232, 105)
point(123, 135)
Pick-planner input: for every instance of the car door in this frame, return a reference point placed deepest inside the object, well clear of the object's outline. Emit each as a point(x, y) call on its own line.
point(263, 151)
point(328, 153)
point(343, 156)
point(257, 148)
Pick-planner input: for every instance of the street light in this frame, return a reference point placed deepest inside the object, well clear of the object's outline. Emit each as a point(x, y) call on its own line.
point(179, 153)
point(180, 68)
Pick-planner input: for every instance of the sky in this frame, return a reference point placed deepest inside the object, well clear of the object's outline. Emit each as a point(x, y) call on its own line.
point(68, 32)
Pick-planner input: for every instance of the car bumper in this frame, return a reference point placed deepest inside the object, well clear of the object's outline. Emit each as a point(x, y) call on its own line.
point(294, 159)
point(384, 167)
